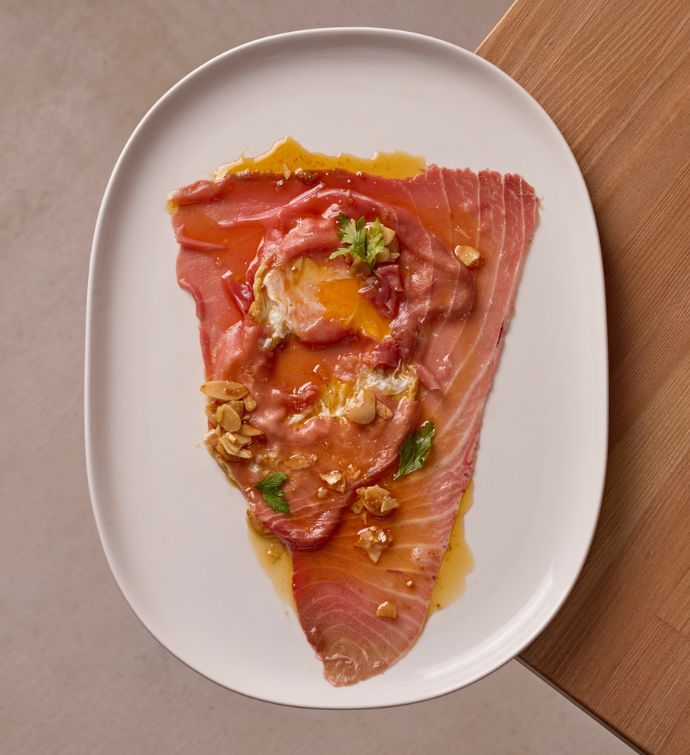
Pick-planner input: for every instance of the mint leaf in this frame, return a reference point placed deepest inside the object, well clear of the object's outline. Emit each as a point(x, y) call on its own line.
point(414, 449)
point(271, 489)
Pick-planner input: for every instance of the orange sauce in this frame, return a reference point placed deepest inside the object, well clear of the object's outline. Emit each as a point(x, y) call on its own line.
point(295, 365)
point(457, 561)
point(289, 155)
point(276, 562)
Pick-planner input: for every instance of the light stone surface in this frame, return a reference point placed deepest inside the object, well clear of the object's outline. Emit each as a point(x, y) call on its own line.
point(79, 673)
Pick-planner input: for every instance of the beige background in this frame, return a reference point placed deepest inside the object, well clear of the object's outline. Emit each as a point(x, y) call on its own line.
point(79, 673)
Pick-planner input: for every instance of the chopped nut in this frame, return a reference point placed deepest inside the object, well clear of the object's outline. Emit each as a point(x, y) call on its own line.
point(410, 584)
point(383, 411)
point(388, 235)
point(211, 439)
point(387, 610)
point(250, 430)
point(228, 418)
point(334, 480)
point(227, 446)
point(469, 256)
point(210, 411)
point(298, 461)
point(219, 453)
point(321, 493)
point(313, 458)
point(357, 506)
point(249, 403)
point(226, 441)
point(376, 500)
point(363, 410)
point(237, 405)
point(270, 459)
point(374, 541)
point(242, 440)
point(353, 473)
point(391, 246)
point(224, 390)
point(389, 253)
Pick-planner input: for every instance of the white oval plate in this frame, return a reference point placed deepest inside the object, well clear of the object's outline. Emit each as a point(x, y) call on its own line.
point(173, 530)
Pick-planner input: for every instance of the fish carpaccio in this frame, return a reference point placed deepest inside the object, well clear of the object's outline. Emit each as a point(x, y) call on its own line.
point(305, 334)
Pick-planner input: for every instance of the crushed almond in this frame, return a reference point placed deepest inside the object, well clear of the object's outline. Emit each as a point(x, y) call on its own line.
point(353, 473)
point(321, 493)
point(363, 409)
point(387, 610)
point(298, 461)
point(225, 446)
point(383, 411)
point(224, 390)
point(249, 403)
point(391, 250)
point(270, 459)
point(410, 584)
point(210, 411)
point(227, 443)
point(388, 235)
point(250, 430)
point(211, 437)
point(334, 480)
point(228, 418)
point(242, 440)
point(237, 405)
point(376, 500)
point(374, 541)
point(469, 256)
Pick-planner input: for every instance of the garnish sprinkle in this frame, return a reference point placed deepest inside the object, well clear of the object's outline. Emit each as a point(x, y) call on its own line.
point(362, 241)
point(414, 449)
point(271, 489)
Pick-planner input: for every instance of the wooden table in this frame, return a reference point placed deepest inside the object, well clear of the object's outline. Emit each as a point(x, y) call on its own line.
point(614, 76)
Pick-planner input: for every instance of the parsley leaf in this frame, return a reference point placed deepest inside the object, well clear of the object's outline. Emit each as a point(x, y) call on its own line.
point(414, 449)
point(361, 241)
point(271, 489)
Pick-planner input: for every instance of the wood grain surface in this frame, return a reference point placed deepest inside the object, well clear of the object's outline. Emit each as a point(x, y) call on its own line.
point(614, 76)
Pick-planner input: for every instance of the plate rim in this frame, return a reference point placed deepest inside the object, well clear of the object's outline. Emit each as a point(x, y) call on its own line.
point(96, 254)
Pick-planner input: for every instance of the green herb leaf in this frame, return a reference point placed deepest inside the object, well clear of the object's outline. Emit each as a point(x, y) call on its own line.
point(271, 489)
point(414, 449)
point(361, 241)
